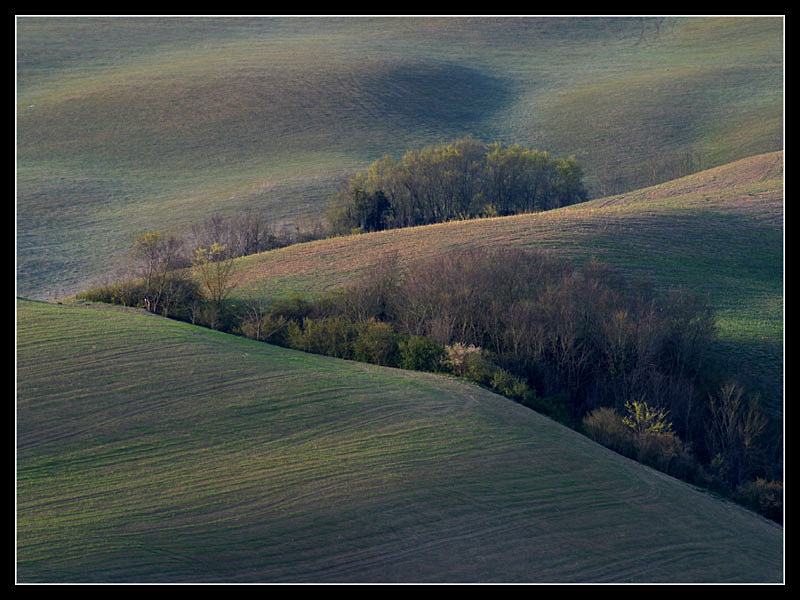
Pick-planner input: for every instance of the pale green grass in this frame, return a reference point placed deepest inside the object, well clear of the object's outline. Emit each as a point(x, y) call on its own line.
point(153, 451)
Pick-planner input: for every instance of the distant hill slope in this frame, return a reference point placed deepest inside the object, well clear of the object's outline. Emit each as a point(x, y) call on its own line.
point(717, 233)
point(150, 450)
point(127, 125)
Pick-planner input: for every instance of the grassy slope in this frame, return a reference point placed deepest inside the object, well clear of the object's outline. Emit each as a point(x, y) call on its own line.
point(718, 233)
point(151, 450)
point(129, 125)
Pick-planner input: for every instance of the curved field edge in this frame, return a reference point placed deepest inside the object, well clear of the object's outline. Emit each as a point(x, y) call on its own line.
point(718, 233)
point(152, 450)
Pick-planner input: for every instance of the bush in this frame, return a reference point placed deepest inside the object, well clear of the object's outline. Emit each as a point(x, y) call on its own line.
point(662, 451)
point(509, 385)
point(293, 309)
point(764, 497)
point(468, 361)
point(606, 427)
point(126, 293)
point(181, 297)
point(555, 407)
point(331, 336)
point(377, 344)
point(644, 435)
point(221, 318)
point(179, 294)
point(646, 421)
point(418, 353)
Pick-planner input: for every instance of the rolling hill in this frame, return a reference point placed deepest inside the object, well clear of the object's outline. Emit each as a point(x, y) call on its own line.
point(130, 124)
point(150, 450)
point(718, 233)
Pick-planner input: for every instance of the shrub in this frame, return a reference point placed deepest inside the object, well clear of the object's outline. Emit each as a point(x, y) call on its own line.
point(762, 496)
point(606, 427)
point(294, 335)
point(466, 361)
point(292, 309)
point(177, 296)
point(509, 385)
point(420, 353)
point(555, 407)
point(377, 344)
point(646, 421)
point(331, 336)
point(126, 293)
point(222, 318)
point(180, 297)
point(644, 435)
point(662, 451)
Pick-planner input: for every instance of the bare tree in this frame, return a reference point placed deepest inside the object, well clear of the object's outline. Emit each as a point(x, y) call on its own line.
point(734, 430)
point(157, 256)
point(215, 268)
point(643, 21)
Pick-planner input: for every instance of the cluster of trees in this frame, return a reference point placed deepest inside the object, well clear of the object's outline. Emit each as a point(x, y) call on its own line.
point(583, 334)
point(457, 180)
point(628, 366)
point(249, 232)
point(170, 277)
point(609, 356)
point(190, 277)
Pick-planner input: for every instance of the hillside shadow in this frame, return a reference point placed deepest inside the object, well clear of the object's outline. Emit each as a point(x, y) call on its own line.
point(445, 96)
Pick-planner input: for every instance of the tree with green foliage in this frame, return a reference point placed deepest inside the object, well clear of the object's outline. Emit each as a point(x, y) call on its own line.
point(655, 443)
point(518, 178)
point(644, 434)
point(456, 180)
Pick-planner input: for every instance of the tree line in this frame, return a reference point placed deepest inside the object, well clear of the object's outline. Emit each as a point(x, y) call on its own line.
point(189, 277)
point(597, 351)
point(462, 179)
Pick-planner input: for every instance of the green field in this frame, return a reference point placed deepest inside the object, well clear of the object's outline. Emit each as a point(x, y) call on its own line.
point(128, 125)
point(150, 450)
